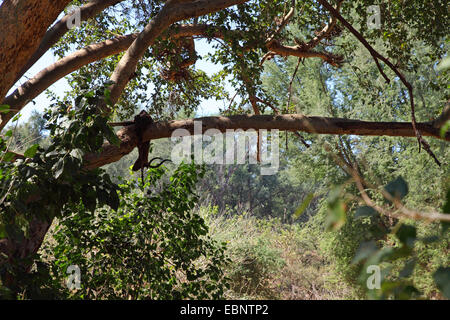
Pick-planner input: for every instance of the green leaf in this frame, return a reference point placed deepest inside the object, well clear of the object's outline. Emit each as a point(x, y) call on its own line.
point(408, 269)
point(109, 133)
point(397, 188)
point(337, 215)
point(444, 129)
point(442, 279)
point(89, 94)
point(365, 211)
point(16, 117)
point(407, 235)
point(365, 250)
point(388, 254)
point(31, 151)
point(107, 95)
point(4, 108)
point(304, 205)
point(400, 290)
point(113, 138)
point(393, 254)
point(3, 233)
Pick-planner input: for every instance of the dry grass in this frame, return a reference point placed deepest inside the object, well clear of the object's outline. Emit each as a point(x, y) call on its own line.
point(272, 260)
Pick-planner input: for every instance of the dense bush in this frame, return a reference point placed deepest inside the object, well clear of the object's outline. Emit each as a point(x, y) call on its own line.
point(153, 247)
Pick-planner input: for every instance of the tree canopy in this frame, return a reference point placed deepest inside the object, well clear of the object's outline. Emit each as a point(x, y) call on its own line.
point(310, 68)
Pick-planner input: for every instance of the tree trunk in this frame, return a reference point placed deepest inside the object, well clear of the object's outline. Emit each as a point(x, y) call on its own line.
point(23, 24)
point(18, 252)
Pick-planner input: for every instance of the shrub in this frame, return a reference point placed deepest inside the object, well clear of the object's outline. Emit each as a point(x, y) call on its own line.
point(153, 247)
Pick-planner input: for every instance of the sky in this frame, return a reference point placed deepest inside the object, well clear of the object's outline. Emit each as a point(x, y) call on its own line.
point(41, 101)
point(207, 107)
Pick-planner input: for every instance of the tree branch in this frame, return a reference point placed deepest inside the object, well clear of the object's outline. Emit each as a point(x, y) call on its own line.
point(283, 23)
point(326, 31)
point(172, 12)
point(291, 122)
point(377, 56)
point(400, 210)
point(300, 52)
point(38, 84)
point(89, 10)
point(35, 86)
point(23, 24)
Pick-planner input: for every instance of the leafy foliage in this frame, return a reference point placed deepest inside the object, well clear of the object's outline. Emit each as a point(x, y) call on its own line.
point(131, 240)
point(153, 226)
point(357, 91)
point(152, 247)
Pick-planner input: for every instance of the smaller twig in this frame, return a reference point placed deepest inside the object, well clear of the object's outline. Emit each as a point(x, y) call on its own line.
point(283, 23)
point(377, 56)
point(326, 31)
point(269, 104)
point(232, 100)
point(290, 84)
point(302, 139)
point(268, 56)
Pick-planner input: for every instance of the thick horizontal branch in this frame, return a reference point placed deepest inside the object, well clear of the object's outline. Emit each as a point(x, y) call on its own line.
point(291, 122)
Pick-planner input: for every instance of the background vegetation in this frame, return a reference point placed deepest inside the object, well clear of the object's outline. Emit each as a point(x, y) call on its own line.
point(225, 231)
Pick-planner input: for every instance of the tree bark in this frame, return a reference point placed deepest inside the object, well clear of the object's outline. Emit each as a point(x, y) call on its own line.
point(18, 252)
point(94, 52)
point(89, 10)
point(23, 24)
point(27, 38)
point(291, 122)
